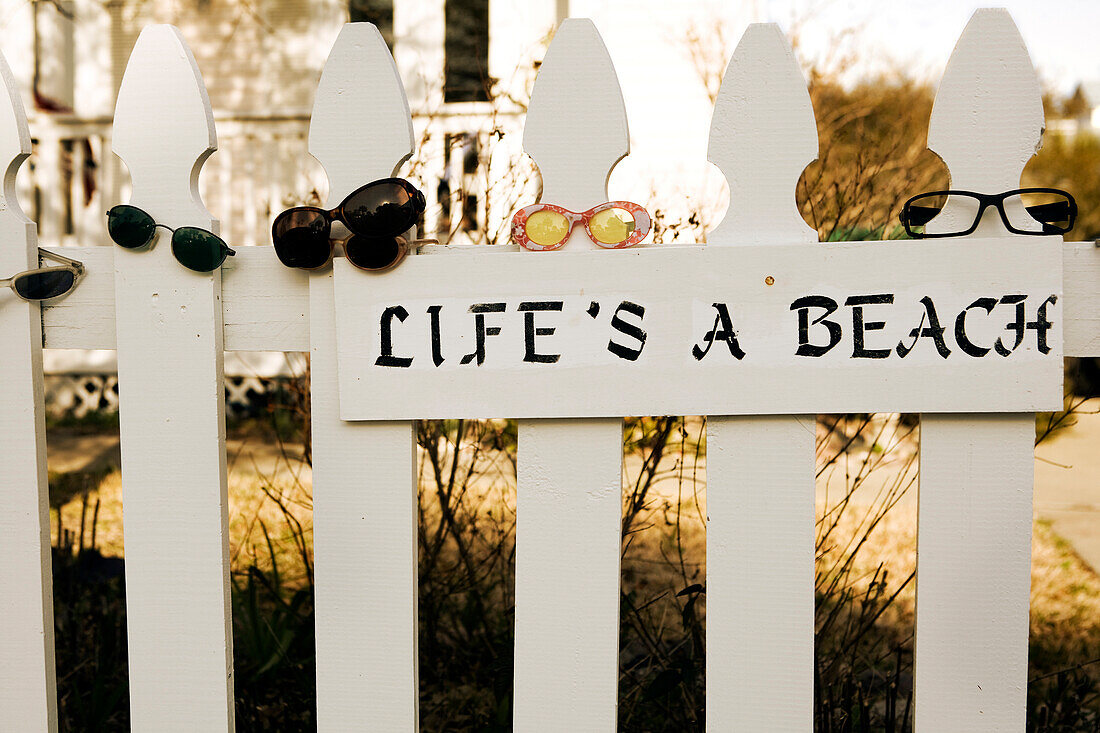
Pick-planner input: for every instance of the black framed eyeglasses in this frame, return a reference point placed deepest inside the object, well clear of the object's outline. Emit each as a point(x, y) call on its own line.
point(376, 214)
point(1023, 211)
point(194, 248)
point(44, 283)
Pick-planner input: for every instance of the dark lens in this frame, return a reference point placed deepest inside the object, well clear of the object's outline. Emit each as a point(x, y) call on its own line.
point(198, 249)
point(922, 210)
point(383, 208)
point(130, 227)
point(1040, 212)
point(44, 285)
point(374, 253)
point(301, 238)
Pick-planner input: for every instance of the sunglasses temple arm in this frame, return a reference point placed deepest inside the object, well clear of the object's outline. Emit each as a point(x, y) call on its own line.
point(47, 255)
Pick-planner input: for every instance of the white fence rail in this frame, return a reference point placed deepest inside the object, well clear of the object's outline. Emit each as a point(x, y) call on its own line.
point(170, 327)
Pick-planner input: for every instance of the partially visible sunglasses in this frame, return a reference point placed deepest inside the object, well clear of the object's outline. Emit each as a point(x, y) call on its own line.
point(44, 283)
point(1023, 211)
point(194, 248)
point(376, 214)
point(611, 225)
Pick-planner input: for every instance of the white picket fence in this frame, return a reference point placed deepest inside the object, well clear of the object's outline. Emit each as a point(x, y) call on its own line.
point(170, 327)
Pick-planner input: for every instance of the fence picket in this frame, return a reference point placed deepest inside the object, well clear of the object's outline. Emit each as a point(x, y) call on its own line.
point(28, 693)
point(364, 474)
point(570, 471)
point(171, 407)
point(760, 470)
point(977, 471)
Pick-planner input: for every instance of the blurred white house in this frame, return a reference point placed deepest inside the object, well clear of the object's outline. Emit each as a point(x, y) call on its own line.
point(261, 60)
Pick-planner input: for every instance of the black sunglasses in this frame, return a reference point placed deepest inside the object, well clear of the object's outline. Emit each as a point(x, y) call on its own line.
point(376, 214)
point(43, 283)
point(194, 248)
point(1023, 211)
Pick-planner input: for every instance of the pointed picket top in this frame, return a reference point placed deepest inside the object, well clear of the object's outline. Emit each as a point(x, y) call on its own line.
point(762, 136)
point(163, 126)
point(987, 120)
point(576, 122)
point(361, 129)
point(15, 146)
point(17, 252)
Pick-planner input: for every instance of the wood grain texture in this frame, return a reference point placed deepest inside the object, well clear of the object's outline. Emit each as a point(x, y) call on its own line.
point(364, 475)
point(976, 472)
point(1081, 285)
point(171, 407)
point(266, 305)
point(568, 516)
point(760, 470)
point(28, 690)
point(570, 471)
point(973, 572)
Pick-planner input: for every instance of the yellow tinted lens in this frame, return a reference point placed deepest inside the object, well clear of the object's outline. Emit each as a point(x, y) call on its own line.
point(612, 226)
point(547, 228)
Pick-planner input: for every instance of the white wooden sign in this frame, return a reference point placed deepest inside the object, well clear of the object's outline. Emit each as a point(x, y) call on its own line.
point(927, 326)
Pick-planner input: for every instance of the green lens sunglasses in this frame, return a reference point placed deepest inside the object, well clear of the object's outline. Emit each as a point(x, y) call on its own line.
point(194, 248)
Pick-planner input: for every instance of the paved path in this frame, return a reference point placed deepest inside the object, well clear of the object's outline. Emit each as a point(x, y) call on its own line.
point(1070, 497)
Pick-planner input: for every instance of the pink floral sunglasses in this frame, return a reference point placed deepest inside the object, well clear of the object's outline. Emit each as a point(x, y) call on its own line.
point(610, 225)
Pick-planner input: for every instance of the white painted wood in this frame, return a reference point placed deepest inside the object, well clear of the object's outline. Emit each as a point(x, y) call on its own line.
point(28, 691)
point(171, 407)
point(569, 473)
point(575, 129)
point(976, 477)
point(667, 378)
point(1081, 285)
point(364, 475)
point(973, 572)
point(268, 308)
point(265, 304)
point(760, 470)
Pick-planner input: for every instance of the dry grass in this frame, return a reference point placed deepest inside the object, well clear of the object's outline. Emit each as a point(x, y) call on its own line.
point(1065, 605)
point(259, 473)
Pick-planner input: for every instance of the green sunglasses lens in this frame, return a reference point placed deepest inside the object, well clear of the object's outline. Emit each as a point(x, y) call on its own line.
point(198, 249)
point(45, 285)
point(130, 227)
